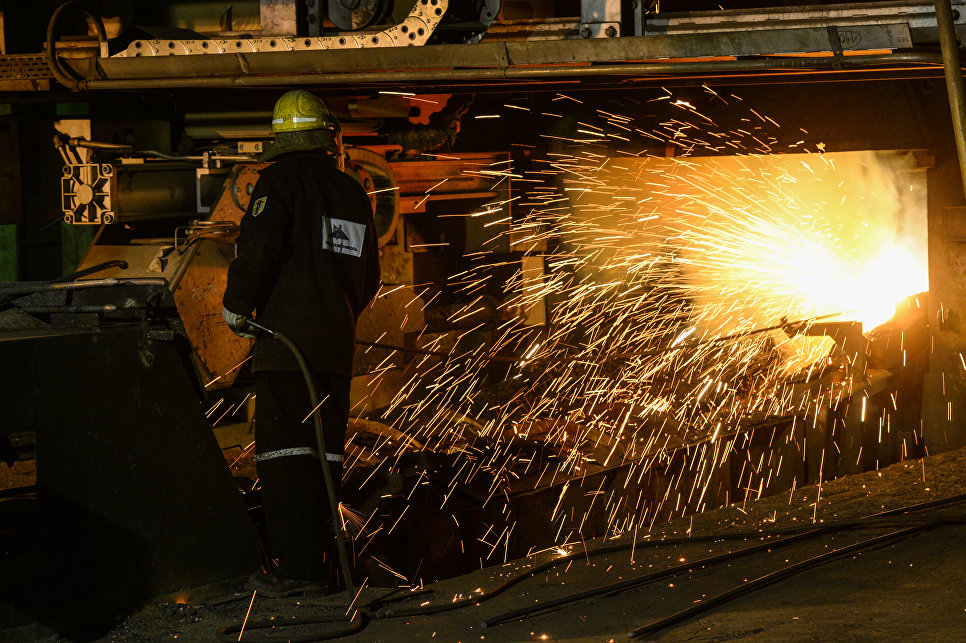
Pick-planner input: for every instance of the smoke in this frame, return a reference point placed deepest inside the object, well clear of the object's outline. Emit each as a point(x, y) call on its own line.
point(750, 240)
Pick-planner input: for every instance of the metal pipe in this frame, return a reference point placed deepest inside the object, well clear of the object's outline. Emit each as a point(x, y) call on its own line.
point(954, 80)
point(26, 288)
point(113, 263)
point(6, 298)
point(106, 308)
point(97, 145)
point(807, 65)
point(220, 117)
point(55, 67)
point(45, 286)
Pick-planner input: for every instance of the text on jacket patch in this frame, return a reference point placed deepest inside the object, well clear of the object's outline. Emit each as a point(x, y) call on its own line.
point(344, 237)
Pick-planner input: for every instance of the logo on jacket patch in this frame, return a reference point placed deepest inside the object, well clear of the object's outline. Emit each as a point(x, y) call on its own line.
point(259, 206)
point(343, 237)
point(339, 233)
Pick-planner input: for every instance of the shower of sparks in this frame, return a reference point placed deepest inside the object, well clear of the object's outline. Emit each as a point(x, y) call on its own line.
point(642, 263)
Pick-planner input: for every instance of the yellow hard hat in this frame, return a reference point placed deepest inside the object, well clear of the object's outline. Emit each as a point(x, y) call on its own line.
point(299, 110)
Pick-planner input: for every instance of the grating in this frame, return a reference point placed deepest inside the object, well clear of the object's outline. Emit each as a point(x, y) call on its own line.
point(24, 66)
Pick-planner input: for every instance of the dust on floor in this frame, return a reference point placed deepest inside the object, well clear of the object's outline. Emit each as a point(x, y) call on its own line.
point(912, 589)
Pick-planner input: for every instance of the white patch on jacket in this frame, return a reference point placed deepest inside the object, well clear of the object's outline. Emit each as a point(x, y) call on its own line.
point(344, 237)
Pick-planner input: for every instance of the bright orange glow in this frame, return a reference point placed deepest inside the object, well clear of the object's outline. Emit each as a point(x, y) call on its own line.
point(882, 283)
point(753, 239)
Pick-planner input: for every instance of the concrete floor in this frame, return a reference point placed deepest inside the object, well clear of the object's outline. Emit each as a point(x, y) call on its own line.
point(910, 590)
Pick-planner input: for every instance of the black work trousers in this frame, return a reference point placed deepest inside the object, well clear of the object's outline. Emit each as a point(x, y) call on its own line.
point(297, 515)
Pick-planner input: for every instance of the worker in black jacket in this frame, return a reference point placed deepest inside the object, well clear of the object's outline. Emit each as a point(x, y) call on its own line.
point(306, 264)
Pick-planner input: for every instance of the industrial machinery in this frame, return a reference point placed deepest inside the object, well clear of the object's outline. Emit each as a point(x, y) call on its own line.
point(508, 397)
point(122, 447)
point(375, 46)
point(200, 200)
point(469, 44)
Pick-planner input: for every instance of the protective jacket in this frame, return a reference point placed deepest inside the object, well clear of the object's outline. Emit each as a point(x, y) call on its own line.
point(307, 262)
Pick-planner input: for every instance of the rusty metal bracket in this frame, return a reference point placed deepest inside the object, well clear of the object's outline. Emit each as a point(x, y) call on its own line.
point(836, 42)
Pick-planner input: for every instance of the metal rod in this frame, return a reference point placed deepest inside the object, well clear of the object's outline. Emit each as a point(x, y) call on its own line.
point(954, 80)
point(44, 310)
point(26, 289)
point(5, 297)
point(806, 65)
point(802, 323)
point(97, 145)
point(566, 359)
point(113, 263)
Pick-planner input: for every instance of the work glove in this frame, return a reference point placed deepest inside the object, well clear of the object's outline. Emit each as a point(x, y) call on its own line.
point(237, 323)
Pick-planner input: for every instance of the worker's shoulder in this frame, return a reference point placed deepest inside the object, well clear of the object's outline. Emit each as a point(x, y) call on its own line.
point(346, 183)
point(308, 166)
point(289, 166)
point(340, 182)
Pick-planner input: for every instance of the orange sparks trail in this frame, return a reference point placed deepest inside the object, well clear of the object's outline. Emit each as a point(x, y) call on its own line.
point(632, 310)
point(241, 632)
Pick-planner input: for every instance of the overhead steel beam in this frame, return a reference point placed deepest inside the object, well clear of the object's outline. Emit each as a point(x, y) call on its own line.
point(510, 61)
point(505, 75)
point(757, 42)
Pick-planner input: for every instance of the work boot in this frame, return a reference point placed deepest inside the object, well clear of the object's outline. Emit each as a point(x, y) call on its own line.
point(277, 587)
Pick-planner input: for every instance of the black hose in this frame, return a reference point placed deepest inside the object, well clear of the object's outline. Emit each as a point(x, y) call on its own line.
point(774, 577)
point(513, 580)
point(367, 614)
point(338, 532)
point(53, 63)
point(874, 520)
point(697, 564)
